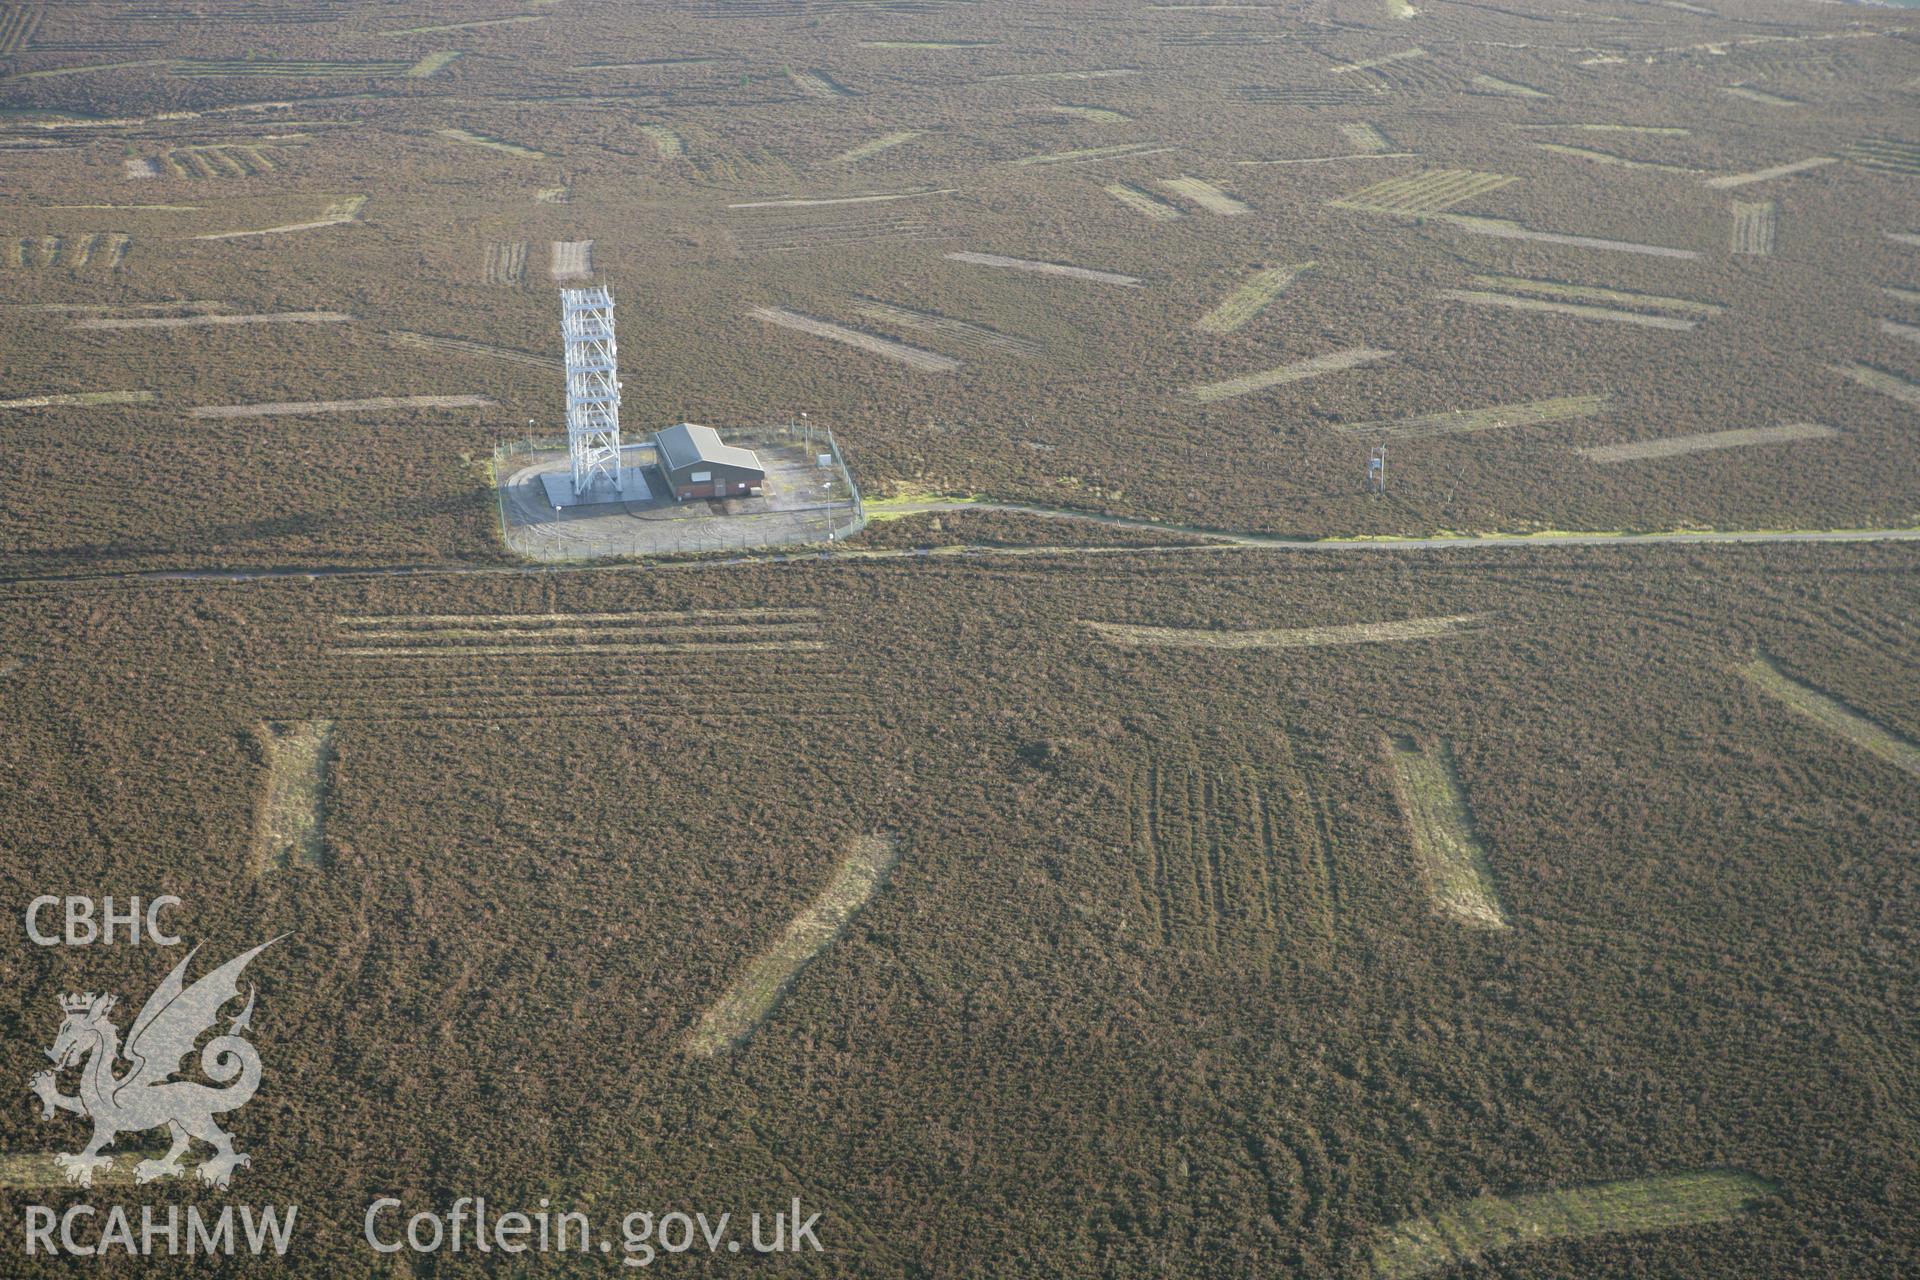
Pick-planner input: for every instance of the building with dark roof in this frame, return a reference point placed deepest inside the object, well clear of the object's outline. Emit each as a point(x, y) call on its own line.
point(695, 464)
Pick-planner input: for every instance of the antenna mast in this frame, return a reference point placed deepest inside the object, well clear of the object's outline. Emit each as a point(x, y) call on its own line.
point(593, 387)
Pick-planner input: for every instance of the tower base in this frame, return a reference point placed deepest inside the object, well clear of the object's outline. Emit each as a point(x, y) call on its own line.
point(633, 475)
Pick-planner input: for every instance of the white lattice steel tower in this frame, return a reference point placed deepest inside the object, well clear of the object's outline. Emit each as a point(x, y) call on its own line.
point(593, 387)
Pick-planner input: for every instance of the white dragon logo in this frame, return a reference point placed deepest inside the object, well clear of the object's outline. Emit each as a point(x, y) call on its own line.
point(145, 1097)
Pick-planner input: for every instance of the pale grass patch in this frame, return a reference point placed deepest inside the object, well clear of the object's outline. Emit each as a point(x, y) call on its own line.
point(1888, 155)
point(37, 1170)
point(753, 995)
point(1762, 175)
point(877, 197)
point(1607, 157)
point(518, 619)
point(669, 144)
point(874, 146)
point(1596, 126)
point(1207, 196)
point(201, 321)
point(1358, 155)
point(461, 26)
point(337, 212)
point(291, 408)
point(1246, 384)
point(1507, 230)
point(464, 346)
point(928, 44)
point(1453, 861)
point(1754, 225)
point(815, 85)
point(1468, 1230)
point(289, 824)
point(1103, 73)
point(62, 399)
point(1096, 115)
point(1424, 193)
point(534, 636)
point(971, 336)
point(1885, 383)
point(1144, 202)
point(1132, 636)
point(571, 259)
point(520, 650)
point(1832, 715)
point(1484, 299)
point(1463, 421)
point(1507, 88)
point(90, 67)
point(928, 361)
point(506, 264)
point(1083, 154)
point(1759, 95)
point(1589, 293)
point(432, 64)
point(17, 23)
point(1384, 60)
point(1249, 298)
point(1365, 138)
point(472, 139)
point(1046, 268)
point(1705, 441)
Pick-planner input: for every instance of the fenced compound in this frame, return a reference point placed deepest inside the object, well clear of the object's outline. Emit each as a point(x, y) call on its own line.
point(810, 496)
